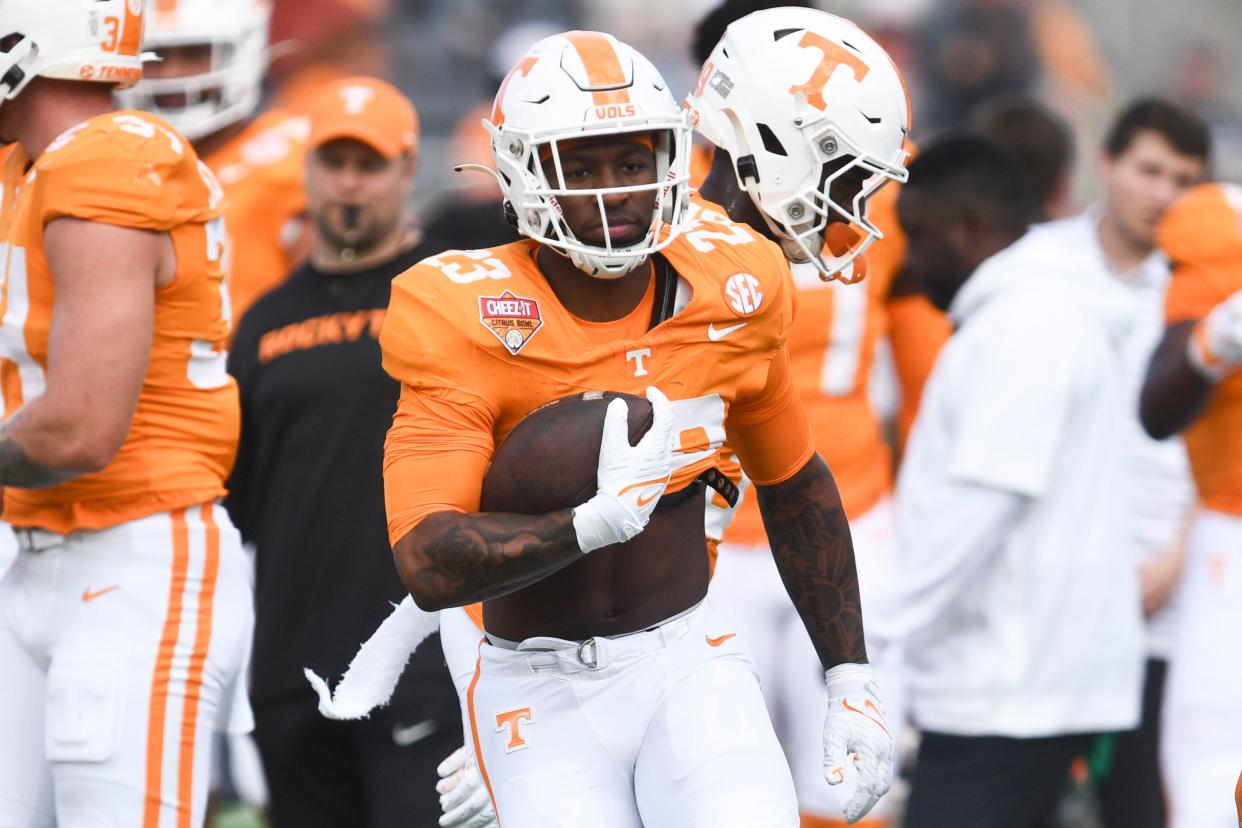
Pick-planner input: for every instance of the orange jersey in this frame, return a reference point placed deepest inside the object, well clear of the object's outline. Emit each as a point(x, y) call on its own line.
point(132, 170)
point(1202, 235)
point(479, 340)
point(261, 171)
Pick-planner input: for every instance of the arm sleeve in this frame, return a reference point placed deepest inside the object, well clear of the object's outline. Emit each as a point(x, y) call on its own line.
point(769, 433)
point(964, 531)
point(435, 456)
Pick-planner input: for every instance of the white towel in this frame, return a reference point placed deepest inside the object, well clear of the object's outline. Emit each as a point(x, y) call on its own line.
point(372, 675)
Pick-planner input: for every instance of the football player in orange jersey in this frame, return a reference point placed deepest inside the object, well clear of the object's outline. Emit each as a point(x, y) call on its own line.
point(794, 99)
point(1194, 386)
point(207, 84)
point(622, 284)
point(125, 621)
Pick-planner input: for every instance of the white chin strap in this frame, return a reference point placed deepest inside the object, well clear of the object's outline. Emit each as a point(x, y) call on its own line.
point(603, 266)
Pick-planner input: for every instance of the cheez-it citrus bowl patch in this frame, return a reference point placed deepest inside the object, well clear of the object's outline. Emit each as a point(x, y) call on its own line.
point(513, 319)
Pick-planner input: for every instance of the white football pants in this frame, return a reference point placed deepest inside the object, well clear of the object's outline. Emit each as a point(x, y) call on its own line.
point(120, 650)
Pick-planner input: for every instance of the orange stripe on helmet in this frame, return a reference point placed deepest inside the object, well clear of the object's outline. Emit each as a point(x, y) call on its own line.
point(131, 30)
point(603, 67)
point(524, 66)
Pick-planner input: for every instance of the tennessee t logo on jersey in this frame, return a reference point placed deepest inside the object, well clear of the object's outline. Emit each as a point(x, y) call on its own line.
point(513, 319)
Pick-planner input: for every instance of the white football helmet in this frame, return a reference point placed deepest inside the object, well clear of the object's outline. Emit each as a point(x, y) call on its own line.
point(86, 40)
point(788, 91)
point(583, 85)
point(236, 31)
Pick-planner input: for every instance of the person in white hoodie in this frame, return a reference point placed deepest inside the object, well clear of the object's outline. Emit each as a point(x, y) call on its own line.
point(1018, 601)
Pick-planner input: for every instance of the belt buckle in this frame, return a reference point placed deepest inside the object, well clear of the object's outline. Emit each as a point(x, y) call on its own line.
point(583, 648)
point(29, 540)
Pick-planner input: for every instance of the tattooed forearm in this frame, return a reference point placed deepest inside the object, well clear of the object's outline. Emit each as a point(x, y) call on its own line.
point(17, 469)
point(452, 559)
point(811, 543)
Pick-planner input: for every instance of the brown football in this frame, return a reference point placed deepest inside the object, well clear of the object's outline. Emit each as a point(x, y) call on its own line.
point(548, 462)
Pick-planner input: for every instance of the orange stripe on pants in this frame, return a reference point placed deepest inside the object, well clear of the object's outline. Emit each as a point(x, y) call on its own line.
point(194, 680)
point(163, 671)
point(474, 732)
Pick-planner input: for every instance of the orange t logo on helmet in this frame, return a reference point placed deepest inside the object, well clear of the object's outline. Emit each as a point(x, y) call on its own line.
point(833, 56)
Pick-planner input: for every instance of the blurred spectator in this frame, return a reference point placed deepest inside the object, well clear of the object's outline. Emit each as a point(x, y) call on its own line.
point(1194, 383)
point(307, 488)
point(1009, 504)
point(324, 40)
point(1072, 65)
point(467, 214)
point(1153, 153)
point(1041, 142)
point(1201, 81)
point(975, 50)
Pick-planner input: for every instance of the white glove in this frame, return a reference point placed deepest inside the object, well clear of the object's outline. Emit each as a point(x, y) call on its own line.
point(631, 478)
point(463, 796)
point(855, 728)
point(1216, 343)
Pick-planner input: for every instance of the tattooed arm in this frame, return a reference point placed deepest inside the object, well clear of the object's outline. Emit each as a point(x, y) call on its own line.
point(814, 554)
point(450, 559)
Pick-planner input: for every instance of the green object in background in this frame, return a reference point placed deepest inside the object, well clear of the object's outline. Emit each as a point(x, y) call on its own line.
point(1100, 758)
point(237, 816)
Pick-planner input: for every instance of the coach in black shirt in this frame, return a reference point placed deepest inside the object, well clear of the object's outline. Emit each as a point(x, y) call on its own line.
point(307, 489)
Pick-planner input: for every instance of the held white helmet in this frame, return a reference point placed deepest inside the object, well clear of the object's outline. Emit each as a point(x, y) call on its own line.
point(799, 98)
point(579, 85)
point(85, 40)
point(236, 31)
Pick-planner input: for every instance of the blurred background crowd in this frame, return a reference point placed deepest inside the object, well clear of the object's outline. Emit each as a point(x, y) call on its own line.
point(1083, 58)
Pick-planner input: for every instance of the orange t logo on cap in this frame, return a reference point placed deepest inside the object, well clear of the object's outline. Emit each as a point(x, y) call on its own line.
point(356, 98)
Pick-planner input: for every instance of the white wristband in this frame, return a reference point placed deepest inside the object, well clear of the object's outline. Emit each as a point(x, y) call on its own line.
point(847, 679)
point(602, 521)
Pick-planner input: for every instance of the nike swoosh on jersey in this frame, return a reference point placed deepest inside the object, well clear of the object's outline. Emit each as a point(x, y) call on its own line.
point(90, 595)
point(716, 642)
point(716, 334)
point(406, 736)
